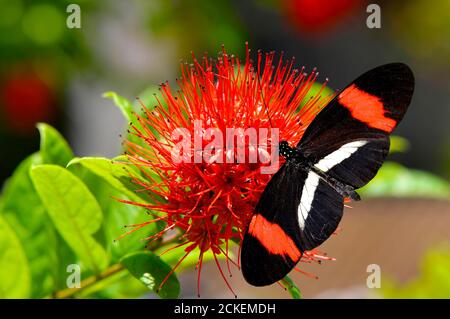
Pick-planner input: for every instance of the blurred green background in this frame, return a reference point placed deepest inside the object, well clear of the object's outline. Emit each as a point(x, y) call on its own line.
point(50, 73)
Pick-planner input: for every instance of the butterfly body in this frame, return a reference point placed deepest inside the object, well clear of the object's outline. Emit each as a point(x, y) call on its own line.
point(294, 156)
point(340, 151)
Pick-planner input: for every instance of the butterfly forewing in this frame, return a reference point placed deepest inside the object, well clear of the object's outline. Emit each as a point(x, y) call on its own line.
point(355, 163)
point(367, 111)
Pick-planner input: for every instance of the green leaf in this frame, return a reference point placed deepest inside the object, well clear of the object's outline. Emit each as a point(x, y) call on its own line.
point(15, 279)
point(54, 148)
point(151, 271)
point(131, 111)
point(147, 97)
point(47, 254)
point(117, 215)
point(120, 215)
point(115, 173)
point(398, 144)
point(395, 180)
point(74, 211)
point(109, 182)
point(173, 256)
point(291, 287)
point(24, 211)
point(122, 103)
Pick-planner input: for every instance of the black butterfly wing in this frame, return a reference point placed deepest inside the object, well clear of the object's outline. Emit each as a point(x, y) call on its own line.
point(296, 212)
point(349, 138)
point(345, 144)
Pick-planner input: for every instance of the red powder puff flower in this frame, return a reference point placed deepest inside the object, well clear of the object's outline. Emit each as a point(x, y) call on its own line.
point(210, 203)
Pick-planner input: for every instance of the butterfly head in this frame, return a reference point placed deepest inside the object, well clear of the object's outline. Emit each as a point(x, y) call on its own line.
point(286, 151)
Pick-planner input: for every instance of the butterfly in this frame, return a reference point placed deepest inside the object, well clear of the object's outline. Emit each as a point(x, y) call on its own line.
point(341, 150)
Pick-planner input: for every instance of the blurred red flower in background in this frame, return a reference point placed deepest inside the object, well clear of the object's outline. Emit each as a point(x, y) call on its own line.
point(210, 204)
point(26, 100)
point(315, 16)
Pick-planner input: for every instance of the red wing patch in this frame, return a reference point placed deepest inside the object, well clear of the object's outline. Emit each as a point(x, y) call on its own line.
point(366, 108)
point(273, 238)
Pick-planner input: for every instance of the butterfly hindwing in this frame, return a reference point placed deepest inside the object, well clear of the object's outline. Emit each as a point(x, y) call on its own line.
point(319, 212)
point(283, 227)
point(271, 246)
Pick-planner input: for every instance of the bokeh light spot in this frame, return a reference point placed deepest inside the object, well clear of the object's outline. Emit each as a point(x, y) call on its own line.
point(10, 13)
point(44, 24)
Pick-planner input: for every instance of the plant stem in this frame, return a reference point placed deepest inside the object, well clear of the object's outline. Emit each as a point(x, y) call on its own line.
point(88, 282)
point(291, 287)
point(94, 279)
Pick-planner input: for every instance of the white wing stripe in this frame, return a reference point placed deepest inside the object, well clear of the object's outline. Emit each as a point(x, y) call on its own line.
point(308, 191)
point(336, 157)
